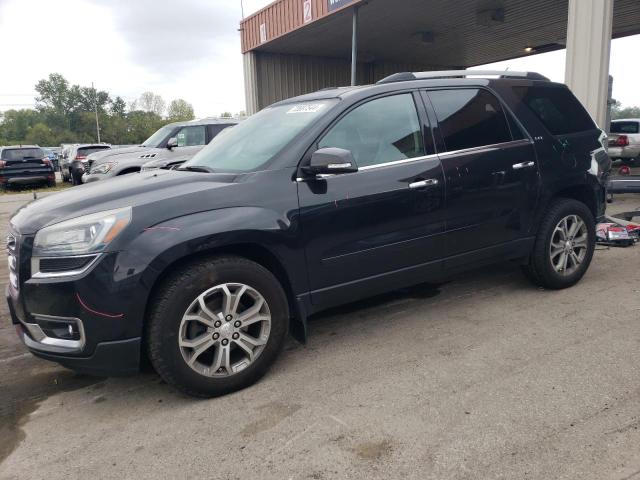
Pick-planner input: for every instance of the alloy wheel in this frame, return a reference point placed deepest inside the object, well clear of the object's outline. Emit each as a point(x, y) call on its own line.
point(569, 245)
point(224, 330)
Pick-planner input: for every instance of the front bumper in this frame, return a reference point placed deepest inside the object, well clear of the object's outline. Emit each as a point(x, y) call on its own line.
point(109, 359)
point(103, 314)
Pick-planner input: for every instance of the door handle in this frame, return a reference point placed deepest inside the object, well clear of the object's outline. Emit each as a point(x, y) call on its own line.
point(424, 183)
point(520, 166)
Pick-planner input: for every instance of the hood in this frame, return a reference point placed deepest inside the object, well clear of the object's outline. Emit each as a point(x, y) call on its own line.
point(122, 153)
point(165, 162)
point(163, 194)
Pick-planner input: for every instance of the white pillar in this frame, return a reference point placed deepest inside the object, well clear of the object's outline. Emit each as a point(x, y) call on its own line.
point(250, 82)
point(588, 51)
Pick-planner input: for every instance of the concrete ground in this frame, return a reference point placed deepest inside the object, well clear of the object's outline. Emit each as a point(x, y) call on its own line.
point(485, 377)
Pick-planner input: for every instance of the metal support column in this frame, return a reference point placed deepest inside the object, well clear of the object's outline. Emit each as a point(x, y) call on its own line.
point(354, 47)
point(588, 51)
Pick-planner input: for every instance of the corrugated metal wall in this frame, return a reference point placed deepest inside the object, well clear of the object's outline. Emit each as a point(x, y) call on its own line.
point(280, 18)
point(270, 77)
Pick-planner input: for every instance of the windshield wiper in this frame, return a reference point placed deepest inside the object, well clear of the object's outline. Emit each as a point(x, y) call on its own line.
point(196, 168)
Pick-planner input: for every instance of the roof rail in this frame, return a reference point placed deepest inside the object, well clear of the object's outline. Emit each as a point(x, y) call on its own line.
point(408, 76)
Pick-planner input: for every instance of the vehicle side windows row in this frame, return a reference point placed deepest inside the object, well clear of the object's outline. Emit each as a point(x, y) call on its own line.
point(380, 131)
point(470, 118)
point(388, 129)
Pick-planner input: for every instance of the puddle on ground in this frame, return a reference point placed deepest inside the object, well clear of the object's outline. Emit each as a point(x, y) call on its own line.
point(23, 389)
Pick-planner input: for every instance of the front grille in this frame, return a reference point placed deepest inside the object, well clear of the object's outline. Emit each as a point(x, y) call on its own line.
point(12, 251)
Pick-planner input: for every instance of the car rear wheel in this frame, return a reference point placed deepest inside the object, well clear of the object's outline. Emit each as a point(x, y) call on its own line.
point(564, 246)
point(216, 326)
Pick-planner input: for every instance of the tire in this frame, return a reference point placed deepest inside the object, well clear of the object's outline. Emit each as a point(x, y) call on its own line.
point(170, 319)
point(541, 269)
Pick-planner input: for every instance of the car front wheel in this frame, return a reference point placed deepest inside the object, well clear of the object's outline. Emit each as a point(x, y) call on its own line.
point(564, 246)
point(216, 326)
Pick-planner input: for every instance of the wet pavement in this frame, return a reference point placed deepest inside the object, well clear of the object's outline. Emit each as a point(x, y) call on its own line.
point(482, 377)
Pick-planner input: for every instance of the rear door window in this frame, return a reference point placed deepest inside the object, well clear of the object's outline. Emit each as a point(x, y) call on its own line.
point(20, 154)
point(469, 118)
point(625, 127)
point(557, 108)
point(191, 136)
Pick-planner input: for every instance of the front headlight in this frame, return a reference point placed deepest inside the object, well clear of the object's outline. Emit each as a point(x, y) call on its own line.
point(103, 167)
point(82, 235)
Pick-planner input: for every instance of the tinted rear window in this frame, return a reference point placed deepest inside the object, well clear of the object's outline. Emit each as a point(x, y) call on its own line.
point(19, 154)
point(557, 109)
point(89, 150)
point(625, 127)
point(470, 118)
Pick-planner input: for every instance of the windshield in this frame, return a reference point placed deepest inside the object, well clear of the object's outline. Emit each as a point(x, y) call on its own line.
point(156, 139)
point(19, 154)
point(625, 127)
point(89, 150)
point(252, 143)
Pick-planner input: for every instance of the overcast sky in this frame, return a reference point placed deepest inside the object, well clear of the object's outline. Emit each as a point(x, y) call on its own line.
point(179, 49)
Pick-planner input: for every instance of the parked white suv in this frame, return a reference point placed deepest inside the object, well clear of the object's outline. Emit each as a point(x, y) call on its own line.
point(624, 140)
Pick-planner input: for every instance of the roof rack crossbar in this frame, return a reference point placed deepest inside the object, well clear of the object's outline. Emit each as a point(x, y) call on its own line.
point(407, 76)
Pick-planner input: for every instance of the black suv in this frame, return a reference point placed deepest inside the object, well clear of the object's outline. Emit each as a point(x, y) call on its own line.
point(22, 165)
point(313, 202)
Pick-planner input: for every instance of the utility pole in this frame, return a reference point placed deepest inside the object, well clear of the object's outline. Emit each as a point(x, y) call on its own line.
point(95, 107)
point(354, 46)
point(242, 8)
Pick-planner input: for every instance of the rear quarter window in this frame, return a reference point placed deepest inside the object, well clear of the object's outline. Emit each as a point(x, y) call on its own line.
point(557, 108)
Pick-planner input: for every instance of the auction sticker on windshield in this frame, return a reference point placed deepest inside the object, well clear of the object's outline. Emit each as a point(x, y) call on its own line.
point(307, 108)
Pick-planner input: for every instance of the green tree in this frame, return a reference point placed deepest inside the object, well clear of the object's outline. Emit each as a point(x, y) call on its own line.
point(40, 134)
point(118, 107)
point(629, 112)
point(226, 115)
point(180, 110)
point(54, 93)
point(16, 124)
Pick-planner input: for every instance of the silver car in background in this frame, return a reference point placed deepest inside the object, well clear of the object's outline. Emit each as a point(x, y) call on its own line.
point(624, 140)
point(173, 144)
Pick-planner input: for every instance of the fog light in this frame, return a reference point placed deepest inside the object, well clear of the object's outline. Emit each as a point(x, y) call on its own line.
point(59, 328)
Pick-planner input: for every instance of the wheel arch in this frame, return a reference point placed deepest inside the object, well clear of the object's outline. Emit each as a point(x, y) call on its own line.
point(250, 251)
point(582, 193)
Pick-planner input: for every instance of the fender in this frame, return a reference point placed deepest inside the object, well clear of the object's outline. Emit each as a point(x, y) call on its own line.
point(141, 263)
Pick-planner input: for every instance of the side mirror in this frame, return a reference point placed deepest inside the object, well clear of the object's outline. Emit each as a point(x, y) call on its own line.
point(328, 161)
point(172, 143)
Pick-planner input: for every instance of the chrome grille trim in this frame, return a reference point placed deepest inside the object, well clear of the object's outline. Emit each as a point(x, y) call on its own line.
point(36, 273)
